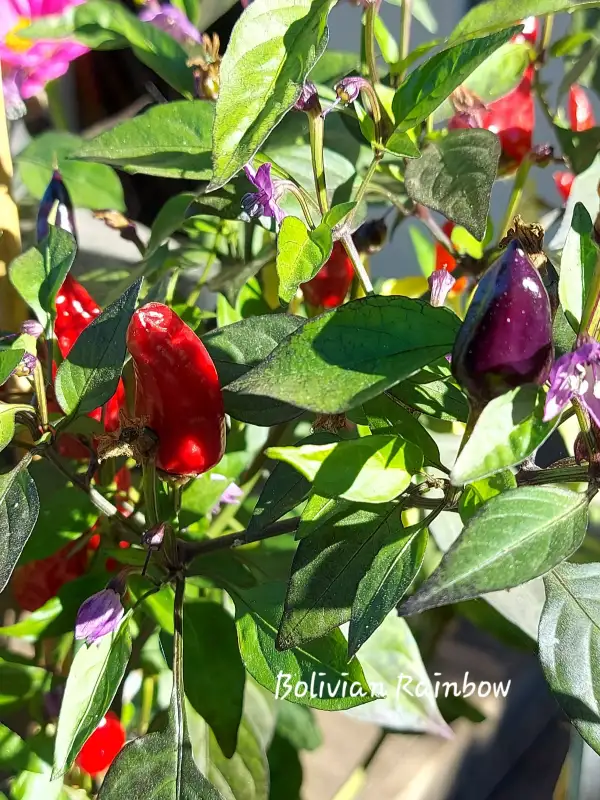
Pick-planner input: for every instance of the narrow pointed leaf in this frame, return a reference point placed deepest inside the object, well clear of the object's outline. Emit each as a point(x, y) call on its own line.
point(514, 537)
point(19, 509)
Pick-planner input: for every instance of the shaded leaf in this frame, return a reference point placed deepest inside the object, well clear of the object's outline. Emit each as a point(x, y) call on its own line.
point(300, 254)
point(577, 266)
point(19, 509)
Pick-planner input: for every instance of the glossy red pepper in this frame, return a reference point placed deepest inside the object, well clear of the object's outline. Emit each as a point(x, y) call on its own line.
point(581, 110)
point(330, 285)
point(563, 182)
point(75, 309)
point(36, 582)
point(177, 391)
point(511, 117)
point(101, 749)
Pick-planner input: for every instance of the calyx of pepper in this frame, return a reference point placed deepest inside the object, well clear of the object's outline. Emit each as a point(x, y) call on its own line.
point(133, 439)
point(531, 238)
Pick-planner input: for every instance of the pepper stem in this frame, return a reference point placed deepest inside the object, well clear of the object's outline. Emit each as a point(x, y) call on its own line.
point(359, 269)
point(516, 195)
point(405, 23)
point(370, 16)
point(316, 129)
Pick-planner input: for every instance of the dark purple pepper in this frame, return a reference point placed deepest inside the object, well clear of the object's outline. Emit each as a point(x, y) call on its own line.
point(55, 196)
point(505, 340)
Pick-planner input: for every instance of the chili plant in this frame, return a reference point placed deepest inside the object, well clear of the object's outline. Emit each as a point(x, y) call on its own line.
point(205, 506)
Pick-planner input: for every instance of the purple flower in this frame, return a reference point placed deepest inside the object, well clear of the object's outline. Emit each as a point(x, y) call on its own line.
point(264, 202)
point(309, 99)
point(440, 282)
point(99, 615)
point(576, 374)
point(348, 89)
point(170, 19)
point(15, 107)
point(32, 327)
point(153, 538)
point(231, 496)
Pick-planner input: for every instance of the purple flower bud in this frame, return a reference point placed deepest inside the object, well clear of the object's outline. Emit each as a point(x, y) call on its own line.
point(309, 99)
point(32, 327)
point(505, 340)
point(231, 495)
point(26, 366)
point(171, 20)
point(348, 89)
point(99, 615)
point(153, 538)
point(56, 197)
point(440, 282)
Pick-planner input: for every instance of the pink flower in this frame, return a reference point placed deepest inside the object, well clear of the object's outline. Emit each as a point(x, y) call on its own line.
point(34, 63)
point(576, 374)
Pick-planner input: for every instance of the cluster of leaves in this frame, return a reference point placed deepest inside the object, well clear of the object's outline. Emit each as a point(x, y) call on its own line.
point(337, 535)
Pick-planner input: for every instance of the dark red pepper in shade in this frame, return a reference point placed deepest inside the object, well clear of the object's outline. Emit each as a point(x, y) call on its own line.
point(505, 340)
point(445, 260)
point(563, 182)
point(36, 582)
point(177, 391)
point(512, 118)
point(75, 309)
point(581, 110)
point(330, 285)
point(101, 749)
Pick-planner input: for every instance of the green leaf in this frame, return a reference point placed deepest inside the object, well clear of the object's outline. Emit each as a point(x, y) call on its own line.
point(482, 490)
point(336, 214)
point(19, 681)
point(103, 22)
point(455, 175)
point(273, 47)
point(14, 752)
point(285, 769)
point(235, 349)
point(400, 144)
point(510, 428)
point(298, 724)
point(580, 147)
point(499, 74)
point(350, 354)
point(328, 567)
point(300, 254)
point(577, 265)
point(374, 469)
point(213, 676)
point(569, 638)
point(170, 140)
point(94, 678)
point(385, 583)
point(384, 414)
point(515, 537)
point(258, 612)
point(424, 250)
point(494, 14)
point(92, 186)
point(431, 83)
point(9, 361)
point(19, 508)
point(394, 667)
point(284, 489)
point(433, 396)
point(89, 376)
point(169, 219)
point(39, 272)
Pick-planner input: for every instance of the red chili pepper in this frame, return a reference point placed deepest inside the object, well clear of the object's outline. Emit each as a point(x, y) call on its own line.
point(36, 582)
point(445, 260)
point(563, 182)
point(581, 111)
point(511, 117)
point(101, 749)
point(330, 285)
point(530, 32)
point(177, 391)
point(75, 309)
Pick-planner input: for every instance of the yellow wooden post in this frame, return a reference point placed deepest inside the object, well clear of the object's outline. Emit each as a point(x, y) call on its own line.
point(12, 308)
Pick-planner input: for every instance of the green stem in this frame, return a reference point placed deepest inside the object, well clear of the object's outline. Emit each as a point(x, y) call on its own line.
point(546, 37)
point(590, 319)
point(550, 475)
point(178, 690)
point(150, 495)
point(362, 189)
point(301, 198)
point(316, 128)
point(371, 15)
point(359, 269)
point(516, 195)
point(56, 106)
point(405, 24)
point(147, 703)
point(585, 425)
point(40, 393)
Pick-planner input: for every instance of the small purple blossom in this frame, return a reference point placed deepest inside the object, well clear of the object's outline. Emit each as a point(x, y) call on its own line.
point(170, 19)
point(440, 282)
point(264, 202)
point(231, 496)
point(576, 374)
point(153, 538)
point(32, 327)
point(309, 99)
point(348, 89)
point(99, 615)
point(26, 366)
